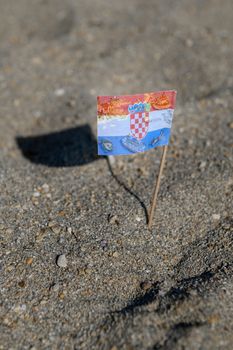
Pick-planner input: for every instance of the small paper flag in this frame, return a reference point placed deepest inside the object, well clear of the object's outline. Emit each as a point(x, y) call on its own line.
point(134, 123)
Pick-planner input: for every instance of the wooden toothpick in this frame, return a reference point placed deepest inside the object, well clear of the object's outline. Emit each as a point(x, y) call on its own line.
point(156, 189)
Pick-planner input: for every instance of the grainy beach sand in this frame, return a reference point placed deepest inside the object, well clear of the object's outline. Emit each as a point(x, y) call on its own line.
point(79, 269)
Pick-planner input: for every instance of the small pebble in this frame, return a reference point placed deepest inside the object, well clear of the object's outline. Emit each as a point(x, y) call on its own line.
point(41, 234)
point(36, 194)
point(61, 240)
point(146, 285)
point(62, 261)
point(69, 230)
point(20, 308)
point(36, 60)
point(52, 223)
point(16, 102)
point(54, 226)
point(115, 255)
point(9, 231)
point(202, 165)
point(213, 319)
point(22, 284)
point(111, 160)
point(56, 229)
point(45, 188)
point(10, 268)
point(6, 322)
point(113, 219)
point(61, 295)
point(29, 261)
point(71, 103)
point(55, 287)
point(37, 114)
point(93, 92)
point(216, 217)
point(103, 244)
point(59, 92)
point(189, 42)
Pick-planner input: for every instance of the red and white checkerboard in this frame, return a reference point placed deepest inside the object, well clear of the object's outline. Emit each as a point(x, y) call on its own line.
point(139, 124)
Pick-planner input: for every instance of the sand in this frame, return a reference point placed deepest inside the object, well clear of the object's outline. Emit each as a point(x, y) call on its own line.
point(117, 286)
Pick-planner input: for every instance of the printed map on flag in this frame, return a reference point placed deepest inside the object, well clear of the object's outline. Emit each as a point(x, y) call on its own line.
point(134, 123)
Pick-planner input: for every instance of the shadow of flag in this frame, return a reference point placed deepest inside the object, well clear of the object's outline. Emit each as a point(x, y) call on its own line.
point(70, 147)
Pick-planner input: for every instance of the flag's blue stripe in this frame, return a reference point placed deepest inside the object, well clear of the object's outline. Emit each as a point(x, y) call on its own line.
point(120, 145)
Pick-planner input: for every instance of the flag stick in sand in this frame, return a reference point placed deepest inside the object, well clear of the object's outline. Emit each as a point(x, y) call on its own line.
point(156, 189)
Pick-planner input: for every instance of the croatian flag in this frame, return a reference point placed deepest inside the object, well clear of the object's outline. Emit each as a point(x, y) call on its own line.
point(134, 123)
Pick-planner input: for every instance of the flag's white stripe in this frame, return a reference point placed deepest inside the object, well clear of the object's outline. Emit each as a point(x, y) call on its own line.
point(120, 126)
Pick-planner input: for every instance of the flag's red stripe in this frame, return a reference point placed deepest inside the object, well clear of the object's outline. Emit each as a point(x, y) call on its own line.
point(118, 105)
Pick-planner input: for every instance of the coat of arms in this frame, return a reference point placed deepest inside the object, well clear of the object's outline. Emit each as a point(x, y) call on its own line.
point(139, 124)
